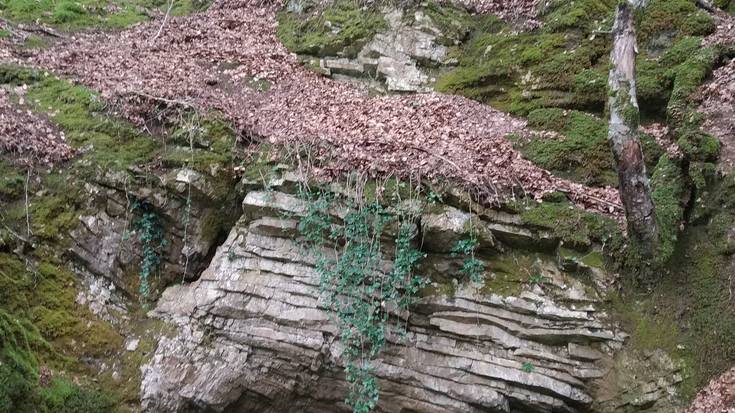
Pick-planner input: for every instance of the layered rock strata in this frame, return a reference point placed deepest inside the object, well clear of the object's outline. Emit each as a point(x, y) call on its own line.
point(253, 334)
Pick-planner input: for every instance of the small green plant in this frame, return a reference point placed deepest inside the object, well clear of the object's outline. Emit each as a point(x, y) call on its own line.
point(358, 294)
point(471, 267)
point(231, 254)
point(527, 367)
point(434, 198)
point(536, 279)
point(149, 229)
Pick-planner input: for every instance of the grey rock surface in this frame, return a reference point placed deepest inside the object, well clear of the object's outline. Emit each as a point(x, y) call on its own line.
point(252, 335)
point(403, 56)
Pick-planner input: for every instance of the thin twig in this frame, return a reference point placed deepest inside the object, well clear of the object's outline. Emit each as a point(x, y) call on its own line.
point(164, 100)
point(191, 128)
point(28, 215)
point(592, 197)
point(445, 159)
point(165, 19)
point(16, 235)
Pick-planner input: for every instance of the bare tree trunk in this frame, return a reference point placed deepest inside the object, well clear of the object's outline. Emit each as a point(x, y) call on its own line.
point(635, 190)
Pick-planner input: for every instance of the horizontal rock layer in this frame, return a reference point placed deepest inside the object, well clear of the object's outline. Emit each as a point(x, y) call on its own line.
point(253, 336)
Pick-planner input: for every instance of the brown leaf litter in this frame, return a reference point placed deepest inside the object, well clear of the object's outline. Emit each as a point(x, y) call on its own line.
point(221, 58)
point(29, 138)
point(717, 397)
point(717, 97)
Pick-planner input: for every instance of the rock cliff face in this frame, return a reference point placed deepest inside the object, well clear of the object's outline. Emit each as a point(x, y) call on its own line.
point(106, 246)
point(253, 335)
point(403, 57)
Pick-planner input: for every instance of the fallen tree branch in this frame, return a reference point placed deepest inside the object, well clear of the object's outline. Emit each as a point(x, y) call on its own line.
point(29, 28)
point(28, 215)
point(592, 197)
point(449, 161)
point(164, 100)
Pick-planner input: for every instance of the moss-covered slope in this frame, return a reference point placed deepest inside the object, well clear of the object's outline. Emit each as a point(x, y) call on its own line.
point(98, 14)
point(564, 64)
point(51, 347)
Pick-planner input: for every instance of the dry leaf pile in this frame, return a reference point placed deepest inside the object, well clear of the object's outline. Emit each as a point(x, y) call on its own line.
point(229, 59)
point(717, 97)
point(717, 397)
point(29, 138)
point(511, 10)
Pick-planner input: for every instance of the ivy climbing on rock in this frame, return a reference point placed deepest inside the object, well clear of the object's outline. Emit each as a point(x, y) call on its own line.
point(364, 299)
point(472, 267)
point(149, 229)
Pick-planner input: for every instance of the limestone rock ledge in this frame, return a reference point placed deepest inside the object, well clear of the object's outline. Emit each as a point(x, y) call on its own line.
point(253, 337)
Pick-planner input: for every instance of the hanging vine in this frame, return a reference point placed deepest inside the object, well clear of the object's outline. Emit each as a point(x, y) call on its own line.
point(359, 294)
point(149, 230)
point(472, 267)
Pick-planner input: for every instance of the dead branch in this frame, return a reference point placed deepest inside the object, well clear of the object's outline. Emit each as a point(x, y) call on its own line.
point(28, 215)
point(164, 100)
point(165, 19)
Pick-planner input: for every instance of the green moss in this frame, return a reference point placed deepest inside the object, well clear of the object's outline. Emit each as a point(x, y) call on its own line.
point(669, 190)
point(687, 78)
point(681, 51)
point(343, 26)
point(727, 5)
point(594, 260)
point(35, 42)
point(698, 145)
point(590, 86)
point(45, 294)
point(453, 22)
point(11, 182)
point(576, 228)
point(19, 376)
point(702, 174)
point(112, 143)
point(508, 274)
point(201, 160)
point(68, 11)
point(63, 396)
point(680, 16)
point(387, 192)
point(18, 367)
point(492, 58)
point(583, 153)
point(25, 346)
point(100, 14)
point(528, 70)
point(565, 63)
point(212, 138)
point(653, 85)
point(584, 15)
point(692, 291)
point(52, 216)
point(649, 329)
point(260, 165)
point(18, 75)
point(446, 289)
